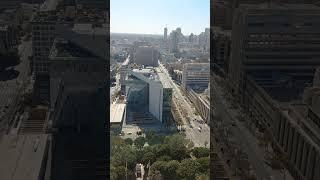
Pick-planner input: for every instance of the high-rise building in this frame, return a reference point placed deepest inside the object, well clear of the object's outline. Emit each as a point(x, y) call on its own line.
point(46, 26)
point(275, 53)
point(222, 14)
point(270, 46)
point(207, 39)
point(165, 33)
point(223, 10)
point(221, 50)
point(43, 35)
point(178, 30)
point(78, 111)
point(146, 55)
point(174, 40)
point(191, 38)
point(8, 38)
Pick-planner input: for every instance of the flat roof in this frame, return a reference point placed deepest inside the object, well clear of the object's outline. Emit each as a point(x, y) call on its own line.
point(65, 48)
point(164, 81)
point(144, 70)
point(116, 112)
point(22, 156)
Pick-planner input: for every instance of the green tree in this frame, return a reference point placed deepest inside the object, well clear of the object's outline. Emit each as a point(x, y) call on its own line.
point(188, 169)
point(149, 135)
point(125, 155)
point(116, 143)
point(170, 170)
point(149, 156)
point(200, 152)
point(204, 164)
point(128, 141)
point(203, 177)
point(156, 139)
point(164, 158)
point(139, 142)
point(118, 172)
point(161, 150)
point(177, 146)
point(113, 173)
point(158, 166)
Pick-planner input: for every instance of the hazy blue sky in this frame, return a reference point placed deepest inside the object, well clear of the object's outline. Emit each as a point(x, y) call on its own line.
point(151, 16)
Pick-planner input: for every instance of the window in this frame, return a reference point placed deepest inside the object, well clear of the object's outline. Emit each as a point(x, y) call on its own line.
point(256, 24)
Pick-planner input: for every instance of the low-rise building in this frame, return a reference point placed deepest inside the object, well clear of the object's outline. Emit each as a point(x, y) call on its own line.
point(117, 116)
point(196, 75)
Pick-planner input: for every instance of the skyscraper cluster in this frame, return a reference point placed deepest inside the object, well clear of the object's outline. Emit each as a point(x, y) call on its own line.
point(176, 37)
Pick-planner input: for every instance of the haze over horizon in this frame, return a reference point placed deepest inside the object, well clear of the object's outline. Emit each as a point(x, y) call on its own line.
point(152, 16)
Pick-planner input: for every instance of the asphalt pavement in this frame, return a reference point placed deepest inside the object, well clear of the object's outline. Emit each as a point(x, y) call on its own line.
point(199, 137)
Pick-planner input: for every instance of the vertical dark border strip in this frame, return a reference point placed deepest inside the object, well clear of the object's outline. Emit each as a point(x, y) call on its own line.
point(211, 71)
point(108, 90)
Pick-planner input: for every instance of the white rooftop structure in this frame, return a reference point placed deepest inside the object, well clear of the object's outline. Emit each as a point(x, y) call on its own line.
point(117, 111)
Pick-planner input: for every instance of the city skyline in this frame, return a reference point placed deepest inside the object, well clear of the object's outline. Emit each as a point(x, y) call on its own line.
point(151, 17)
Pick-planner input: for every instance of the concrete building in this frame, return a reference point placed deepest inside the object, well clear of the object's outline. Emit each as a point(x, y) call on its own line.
point(174, 40)
point(78, 108)
point(8, 39)
point(293, 128)
point(191, 38)
point(201, 103)
point(222, 14)
point(274, 58)
point(196, 76)
point(117, 116)
point(223, 10)
point(46, 26)
point(221, 50)
point(165, 33)
point(123, 74)
point(146, 91)
point(43, 35)
point(207, 39)
point(146, 55)
point(271, 47)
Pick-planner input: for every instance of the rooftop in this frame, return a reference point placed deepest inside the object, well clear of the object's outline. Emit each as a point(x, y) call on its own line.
point(144, 70)
point(64, 48)
point(22, 156)
point(163, 79)
point(94, 43)
point(116, 112)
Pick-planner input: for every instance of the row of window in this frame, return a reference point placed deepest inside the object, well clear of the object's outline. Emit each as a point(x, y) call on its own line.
point(41, 68)
point(42, 44)
point(78, 68)
point(277, 35)
point(44, 38)
point(281, 42)
point(44, 27)
point(273, 24)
